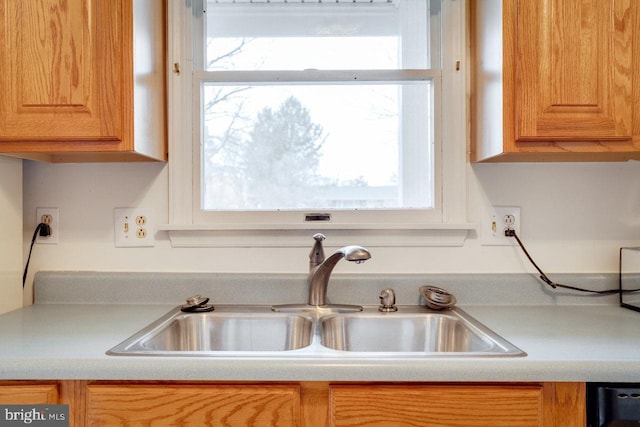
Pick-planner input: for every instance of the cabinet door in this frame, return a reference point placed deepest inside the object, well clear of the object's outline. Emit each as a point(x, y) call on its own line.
point(573, 70)
point(463, 405)
point(193, 405)
point(28, 394)
point(61, 71)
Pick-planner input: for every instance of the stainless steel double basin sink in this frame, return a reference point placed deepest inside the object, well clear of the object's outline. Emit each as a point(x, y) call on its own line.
point(256, 331)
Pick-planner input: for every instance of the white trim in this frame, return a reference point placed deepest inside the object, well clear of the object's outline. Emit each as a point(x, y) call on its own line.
point(198, 236)
point(451, 230)
point(305, 76)
point(455, 115)
point(179, 114)
point(313, 226)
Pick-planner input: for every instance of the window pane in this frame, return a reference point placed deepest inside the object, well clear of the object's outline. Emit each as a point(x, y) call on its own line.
point(328, 53)
point(296, 35)
point(317, 146)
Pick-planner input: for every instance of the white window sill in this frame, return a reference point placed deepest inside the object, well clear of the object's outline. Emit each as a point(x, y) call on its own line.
point(299, 235)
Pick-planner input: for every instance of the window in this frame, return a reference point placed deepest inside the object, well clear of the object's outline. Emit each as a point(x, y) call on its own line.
point(347, 111)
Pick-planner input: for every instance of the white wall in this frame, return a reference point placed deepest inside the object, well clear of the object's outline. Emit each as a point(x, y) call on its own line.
point(10, 234)
point(574, 219)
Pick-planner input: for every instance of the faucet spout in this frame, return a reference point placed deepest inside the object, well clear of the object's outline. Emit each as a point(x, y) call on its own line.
point(319, 275)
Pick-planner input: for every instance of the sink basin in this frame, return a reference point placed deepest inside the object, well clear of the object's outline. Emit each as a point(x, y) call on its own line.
point(256, 331)
point(179, 333)
point(434, 332)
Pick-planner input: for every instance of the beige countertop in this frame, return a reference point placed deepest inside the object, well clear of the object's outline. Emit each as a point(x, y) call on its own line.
point(563, 343)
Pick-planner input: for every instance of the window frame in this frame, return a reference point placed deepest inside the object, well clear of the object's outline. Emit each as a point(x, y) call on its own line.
point(448, 229)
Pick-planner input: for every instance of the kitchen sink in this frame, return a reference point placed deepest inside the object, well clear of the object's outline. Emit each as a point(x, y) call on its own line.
point(179, 333)
point(450, 331)
point(256, 331)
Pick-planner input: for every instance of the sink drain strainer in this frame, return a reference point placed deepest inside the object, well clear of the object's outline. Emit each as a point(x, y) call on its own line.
point(437, 298)
point(197, 304)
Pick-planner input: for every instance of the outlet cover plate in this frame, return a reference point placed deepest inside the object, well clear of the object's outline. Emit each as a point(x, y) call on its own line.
point(133, 227)
point(52, 239)
point(493, 235)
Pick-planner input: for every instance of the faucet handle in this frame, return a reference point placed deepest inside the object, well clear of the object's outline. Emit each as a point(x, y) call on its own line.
point(316, 257)
point(319, 237)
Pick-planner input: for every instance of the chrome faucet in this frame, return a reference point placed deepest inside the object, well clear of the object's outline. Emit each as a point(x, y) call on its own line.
point(319, 273)
point(320, 268)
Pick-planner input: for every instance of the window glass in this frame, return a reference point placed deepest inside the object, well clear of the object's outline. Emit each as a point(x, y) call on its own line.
point(337, 34)
point(282, 126)
point(311, 146)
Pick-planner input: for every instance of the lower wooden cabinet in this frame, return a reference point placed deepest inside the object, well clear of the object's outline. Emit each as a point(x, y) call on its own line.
point(27, 393)
point(464, 405)
point(193, 405)
point(309, 404)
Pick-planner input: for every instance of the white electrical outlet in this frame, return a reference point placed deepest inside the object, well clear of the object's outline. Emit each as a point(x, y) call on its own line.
point(133, 227)
point(51, 217)
point(494, 223)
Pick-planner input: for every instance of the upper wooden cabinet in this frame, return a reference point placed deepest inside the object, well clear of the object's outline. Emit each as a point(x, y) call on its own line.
point(557, 80)
point(83, 80)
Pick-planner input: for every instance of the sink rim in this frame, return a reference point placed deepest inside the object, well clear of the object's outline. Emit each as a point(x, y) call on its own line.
point(497, 345)
point(131, 345)
point(136, 344)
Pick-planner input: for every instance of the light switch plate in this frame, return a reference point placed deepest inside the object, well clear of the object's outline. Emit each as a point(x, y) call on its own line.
point(495, 220)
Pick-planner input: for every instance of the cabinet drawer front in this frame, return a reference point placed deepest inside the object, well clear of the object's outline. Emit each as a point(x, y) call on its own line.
point(193, 405)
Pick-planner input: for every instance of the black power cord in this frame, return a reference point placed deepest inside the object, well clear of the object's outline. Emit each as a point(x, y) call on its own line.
point(42, 229)
point(509, 232)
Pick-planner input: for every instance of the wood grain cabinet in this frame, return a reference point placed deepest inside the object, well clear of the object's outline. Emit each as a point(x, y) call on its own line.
point(193, 405)
point(559, 82)
point(463, 405)
point(28, 393)
point(307, 404)
point(83, 80)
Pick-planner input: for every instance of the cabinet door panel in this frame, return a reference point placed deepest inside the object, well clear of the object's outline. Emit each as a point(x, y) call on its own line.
point(193, 405)
point(452, 405)
point(28, 394)
point(635, 66)
point(573, 70)
point(62, 66)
